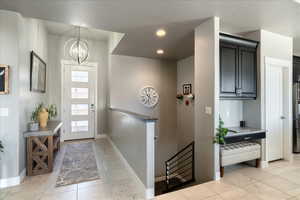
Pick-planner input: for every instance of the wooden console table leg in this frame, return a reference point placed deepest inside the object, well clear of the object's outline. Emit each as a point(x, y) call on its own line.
point(222, 171)
point(29, 156)
point(257, 163)
point(50, 153)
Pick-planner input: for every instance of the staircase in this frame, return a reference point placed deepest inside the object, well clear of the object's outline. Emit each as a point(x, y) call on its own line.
point(180, 171)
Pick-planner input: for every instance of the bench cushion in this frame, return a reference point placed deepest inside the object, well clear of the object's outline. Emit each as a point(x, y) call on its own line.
point(239, 152)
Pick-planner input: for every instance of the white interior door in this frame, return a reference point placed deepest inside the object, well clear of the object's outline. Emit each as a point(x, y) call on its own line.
point(79, 96)
point(274, 103)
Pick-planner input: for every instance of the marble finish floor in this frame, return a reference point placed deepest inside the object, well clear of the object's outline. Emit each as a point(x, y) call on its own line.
point(116, 181)
point(280, 181)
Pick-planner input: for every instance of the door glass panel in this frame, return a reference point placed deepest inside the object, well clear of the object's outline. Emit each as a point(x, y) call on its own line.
point(80, 76)
point(80, 126)
point(80, 109)
point(80, 93)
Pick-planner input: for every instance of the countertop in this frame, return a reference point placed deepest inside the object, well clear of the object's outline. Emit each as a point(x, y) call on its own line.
point(51, 129)
point(234, 131)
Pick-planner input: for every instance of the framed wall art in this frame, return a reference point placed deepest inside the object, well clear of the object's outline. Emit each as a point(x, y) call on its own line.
point(4, 79)
point(187, 89)
point(37, 73)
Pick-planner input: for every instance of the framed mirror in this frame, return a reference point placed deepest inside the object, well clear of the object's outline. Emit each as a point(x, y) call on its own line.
point(37, 73)
point(4, 79)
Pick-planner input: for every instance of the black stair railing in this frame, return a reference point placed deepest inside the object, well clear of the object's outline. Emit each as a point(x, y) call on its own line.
point(180, 169)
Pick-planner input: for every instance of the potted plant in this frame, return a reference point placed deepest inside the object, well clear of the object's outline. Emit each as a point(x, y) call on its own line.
point(222, 132)
point(41, 115)
point(34, 124)
point(1, 146)
point(179, 97)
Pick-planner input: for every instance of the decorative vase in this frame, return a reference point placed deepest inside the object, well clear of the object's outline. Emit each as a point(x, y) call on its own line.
point(43, 118)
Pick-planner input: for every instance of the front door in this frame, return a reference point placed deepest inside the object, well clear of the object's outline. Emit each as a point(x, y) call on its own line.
point(79, 94)
point(275, 112)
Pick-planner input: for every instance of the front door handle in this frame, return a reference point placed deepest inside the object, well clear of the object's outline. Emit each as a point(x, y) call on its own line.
point(92, 107)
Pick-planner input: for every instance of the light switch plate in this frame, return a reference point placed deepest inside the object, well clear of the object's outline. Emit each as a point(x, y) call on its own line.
point(208, 110)
point(3, 112)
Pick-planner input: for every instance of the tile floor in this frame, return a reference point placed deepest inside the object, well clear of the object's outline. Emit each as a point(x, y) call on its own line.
point(280, 181)
point(116, 182)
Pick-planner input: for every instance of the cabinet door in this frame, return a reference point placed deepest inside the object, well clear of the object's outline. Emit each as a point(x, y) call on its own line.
point(228, 70)
point(247, 72)
point(296, 69)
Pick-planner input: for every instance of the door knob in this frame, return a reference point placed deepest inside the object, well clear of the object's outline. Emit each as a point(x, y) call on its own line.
point(92, 107)
point(282, 117)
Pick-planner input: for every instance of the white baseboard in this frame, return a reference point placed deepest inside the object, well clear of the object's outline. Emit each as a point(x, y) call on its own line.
point(23, 175)
point(149, 192)
point(217, 176)
point(264, 164)
point(101, 136)
point(9, 182)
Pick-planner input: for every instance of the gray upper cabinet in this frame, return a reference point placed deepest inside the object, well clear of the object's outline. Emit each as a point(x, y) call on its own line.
point(229, 70)
point(238, 67)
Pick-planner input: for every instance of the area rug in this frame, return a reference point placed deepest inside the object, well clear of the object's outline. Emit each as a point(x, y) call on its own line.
point(79, 164)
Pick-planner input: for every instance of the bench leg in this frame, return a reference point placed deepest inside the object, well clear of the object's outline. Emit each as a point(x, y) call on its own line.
point(257, 163)
point(222, 171)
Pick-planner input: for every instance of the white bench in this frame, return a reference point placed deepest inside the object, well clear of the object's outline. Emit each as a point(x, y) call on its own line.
point(239, 152)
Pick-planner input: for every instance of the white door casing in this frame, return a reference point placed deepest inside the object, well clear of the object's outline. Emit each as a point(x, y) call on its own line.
point(79, 100)
point(278, 109)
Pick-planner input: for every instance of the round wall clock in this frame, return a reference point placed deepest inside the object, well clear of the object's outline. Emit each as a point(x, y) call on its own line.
point(148, 96)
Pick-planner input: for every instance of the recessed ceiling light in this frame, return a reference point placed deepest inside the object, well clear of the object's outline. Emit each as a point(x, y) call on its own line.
point(161, 33)
point(160, 51)
point(297, 1)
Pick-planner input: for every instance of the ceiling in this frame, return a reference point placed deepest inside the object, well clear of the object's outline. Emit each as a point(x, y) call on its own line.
point(72, 31)
point(139, 19)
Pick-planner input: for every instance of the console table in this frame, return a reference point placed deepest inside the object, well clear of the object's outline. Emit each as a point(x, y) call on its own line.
point(41, 148)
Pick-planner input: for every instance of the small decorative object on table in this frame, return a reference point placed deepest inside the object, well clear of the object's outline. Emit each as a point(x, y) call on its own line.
point(43, 117)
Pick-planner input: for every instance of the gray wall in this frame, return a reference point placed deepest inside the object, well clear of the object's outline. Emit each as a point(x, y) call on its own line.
point(206, 96)
point(271, 45)
point(98, 53)
point(18, 36)
point(129, 136)
point(33, 37)
point(9, 126)
point(185, 114)
point(127, 75)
